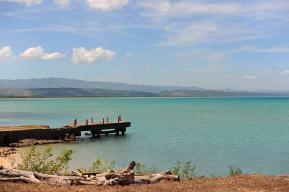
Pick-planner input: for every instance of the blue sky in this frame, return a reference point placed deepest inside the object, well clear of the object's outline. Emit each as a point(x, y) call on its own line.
point(210, 44)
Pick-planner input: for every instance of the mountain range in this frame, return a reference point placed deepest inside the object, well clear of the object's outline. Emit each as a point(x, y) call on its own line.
point(73, 83)
point(63, 87)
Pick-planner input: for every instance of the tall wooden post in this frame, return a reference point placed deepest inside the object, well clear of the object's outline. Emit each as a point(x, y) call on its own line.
point(74, 122)
point(102, 120)
point(86, 122)
point(91, 120)
point(106, 119)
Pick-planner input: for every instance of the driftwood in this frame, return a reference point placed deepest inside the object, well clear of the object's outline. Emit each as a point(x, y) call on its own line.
point(16, 175)
point(156, 177)
point(113, 177)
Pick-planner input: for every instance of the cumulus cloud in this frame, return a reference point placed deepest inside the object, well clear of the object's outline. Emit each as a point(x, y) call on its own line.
point(39, 53)
point(25, 2)
point(5, 53)
point(107, 5)
point(62, 3)
point(82, 55)
point(284, 72)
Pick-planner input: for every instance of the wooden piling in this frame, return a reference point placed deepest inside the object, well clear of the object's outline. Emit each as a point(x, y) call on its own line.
point(118, 119)
point(74, 122)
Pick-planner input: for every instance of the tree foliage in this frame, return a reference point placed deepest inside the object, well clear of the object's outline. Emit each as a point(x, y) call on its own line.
point(43, 161)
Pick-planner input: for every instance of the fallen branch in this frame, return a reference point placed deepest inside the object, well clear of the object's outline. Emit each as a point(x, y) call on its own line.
point(113, 177)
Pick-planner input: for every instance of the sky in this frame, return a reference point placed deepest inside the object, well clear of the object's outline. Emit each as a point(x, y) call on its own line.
point(214, 44)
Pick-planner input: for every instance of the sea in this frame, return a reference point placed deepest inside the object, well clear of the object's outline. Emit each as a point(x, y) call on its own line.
point(214, 133)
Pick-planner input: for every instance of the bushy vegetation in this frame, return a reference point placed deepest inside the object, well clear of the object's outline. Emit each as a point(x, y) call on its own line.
point(100, 166)
point(142, 169)
point(43, 161)
point(186, 171)
point(233, 171)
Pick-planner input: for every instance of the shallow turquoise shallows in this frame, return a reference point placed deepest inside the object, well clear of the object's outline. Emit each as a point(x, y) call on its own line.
point(250, 133)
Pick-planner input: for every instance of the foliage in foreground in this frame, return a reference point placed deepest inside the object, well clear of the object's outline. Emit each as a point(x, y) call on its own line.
point(100, 166)
point(233, 171)
point(142, 169)
point(186, 171)
point(42, 161)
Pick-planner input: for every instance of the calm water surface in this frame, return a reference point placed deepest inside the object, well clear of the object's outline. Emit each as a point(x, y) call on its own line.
point(251, 133)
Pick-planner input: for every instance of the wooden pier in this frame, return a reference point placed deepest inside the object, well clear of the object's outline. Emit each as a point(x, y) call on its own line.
point(14, 134)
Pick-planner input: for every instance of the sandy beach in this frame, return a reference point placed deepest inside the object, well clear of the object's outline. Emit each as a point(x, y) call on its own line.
point(9, 157)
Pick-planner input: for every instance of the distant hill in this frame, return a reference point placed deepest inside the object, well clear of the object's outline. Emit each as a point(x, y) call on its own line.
point(216, 93)
point(73, 83)
point(61, 87)
point(72, 92)
point(80, 92)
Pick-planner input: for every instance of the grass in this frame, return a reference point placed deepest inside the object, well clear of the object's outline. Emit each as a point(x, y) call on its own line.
point(244, 183)
point(44, 161)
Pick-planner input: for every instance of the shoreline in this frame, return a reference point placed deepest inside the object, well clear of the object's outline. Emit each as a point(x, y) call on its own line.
point(11, 156)
point(151, 97)
point(245, 183)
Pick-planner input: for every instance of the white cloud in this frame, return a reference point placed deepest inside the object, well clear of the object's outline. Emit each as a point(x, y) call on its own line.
point(190, 34)
point(62, 3)
point(284, 72)
point(263, 50)
point(208, 31)
point(25, 2)
point(39, 53)
point(164, 8)
point(82, 55)
point(250, 77)
point(5, 53)
point(201, 56)
point(189, 22)
point(257, 9)
point(107, 5)
point(147, 66)
point(129, 55)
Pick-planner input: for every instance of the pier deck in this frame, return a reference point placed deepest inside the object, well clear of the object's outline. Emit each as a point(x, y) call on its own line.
point(14, 134)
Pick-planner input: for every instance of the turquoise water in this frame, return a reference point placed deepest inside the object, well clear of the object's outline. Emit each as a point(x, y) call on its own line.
point(251, 133)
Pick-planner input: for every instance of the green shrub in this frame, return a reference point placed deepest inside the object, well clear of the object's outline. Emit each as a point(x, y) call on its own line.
point(187, 171)
point(141, 169)
point(234, 170)
point(101, 166)
point(176, 170)
point(42, 161)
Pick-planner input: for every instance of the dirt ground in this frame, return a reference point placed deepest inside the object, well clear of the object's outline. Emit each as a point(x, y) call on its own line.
point(252, 183)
